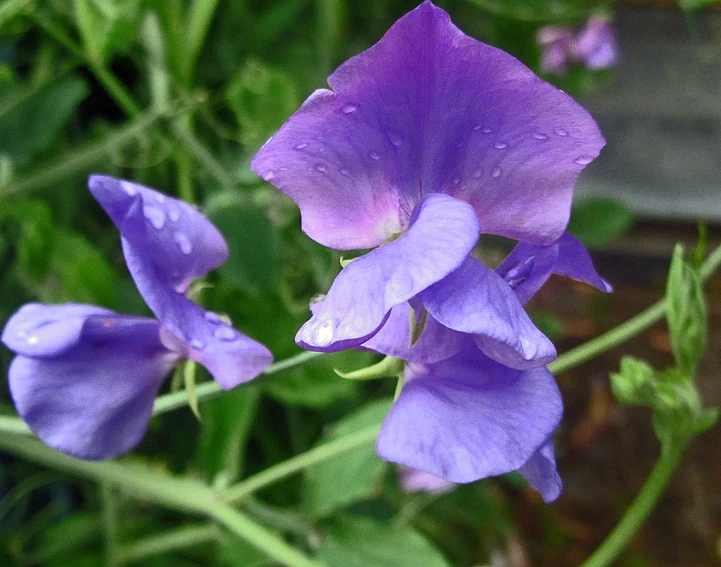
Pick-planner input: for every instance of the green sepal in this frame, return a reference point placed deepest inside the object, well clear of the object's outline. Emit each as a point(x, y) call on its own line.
point(388, 367)
point(189, 378)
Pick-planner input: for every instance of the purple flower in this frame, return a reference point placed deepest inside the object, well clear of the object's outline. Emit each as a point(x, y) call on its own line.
point(468, 417)
point(594, 46)
point(415, 480)
point(427, 139)
point(85, 378)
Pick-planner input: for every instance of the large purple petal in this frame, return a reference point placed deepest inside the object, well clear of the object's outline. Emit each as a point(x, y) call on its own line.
point(436, 342)
point(540, 472)
point(429, 109)
point(179, 242)
point(474, 299)
point(44, 331)
point(469, 417)
point(442, 234)
point(94, 399)
point(231, 357)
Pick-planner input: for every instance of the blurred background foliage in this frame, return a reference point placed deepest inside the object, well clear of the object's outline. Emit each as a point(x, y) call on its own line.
point(179, 95)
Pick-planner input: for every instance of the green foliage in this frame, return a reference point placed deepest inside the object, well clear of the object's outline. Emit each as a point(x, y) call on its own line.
point(106, 26)
point(361, 542)
point(691, 5)
point(353, 476)
point(599, 221)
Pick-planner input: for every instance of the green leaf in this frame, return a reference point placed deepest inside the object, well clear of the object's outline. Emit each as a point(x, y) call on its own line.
point(634, 384)
point(315, 384)
point(66, 537)
point(236, 552)
point(254, 263)
point(361, 542)
point(599, 221)
point(106, 25)
point(31, 118)
point(261, 99)
point(686, 314)
point(690, 5)
point(352, 476)
point(227, 421)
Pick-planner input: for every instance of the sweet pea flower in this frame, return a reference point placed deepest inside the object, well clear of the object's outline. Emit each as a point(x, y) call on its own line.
point(85, 378)
point(428, 139)
point(594, 46)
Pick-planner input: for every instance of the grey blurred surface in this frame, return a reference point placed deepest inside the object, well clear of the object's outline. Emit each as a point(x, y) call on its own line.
point(662, 117)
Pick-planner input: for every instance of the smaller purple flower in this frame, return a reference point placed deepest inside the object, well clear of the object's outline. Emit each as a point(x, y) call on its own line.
point(85, 378)
point(469, 417)
point(594, 46)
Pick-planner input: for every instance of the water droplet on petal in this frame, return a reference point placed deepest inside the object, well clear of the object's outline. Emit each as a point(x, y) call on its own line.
point(160, 198)
point(155, 216)
point(396, 141)
point(560, 131)
point(344, 171)
point(323, 333)
point(496, 172)
point(267, 176)
point(173, 215)
point(225, 333)
point(477, 127)
point(486, 130)
point(540, 136)
point(212, 317)
point(583, 160)
point(348, 108)
point(477, 174)
point(183, 243)
point(374, 156)
point(500, 146)
point(301, 146)
point(320, 168)
point(129, 188)
point(33, 340)
point(197, 344)
point(456, 180)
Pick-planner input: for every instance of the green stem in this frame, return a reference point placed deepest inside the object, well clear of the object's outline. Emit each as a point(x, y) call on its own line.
point(640, 508)
point(208, 390)
point(199, 18)
point(300, 462)
point(109, 502)
point(172, 540)
point(181, 494)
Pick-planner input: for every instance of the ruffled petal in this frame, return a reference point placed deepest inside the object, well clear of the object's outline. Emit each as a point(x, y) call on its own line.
point(44, 331)
point(94, 399)
point(474, 299)
point(436, 342)
point(540, 472)
point(179, 242)
point(231, 357)
point(429, 109)
point(469, 417)
point(441, 235)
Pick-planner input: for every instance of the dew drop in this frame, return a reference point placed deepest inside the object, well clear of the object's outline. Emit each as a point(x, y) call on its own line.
point(225, 333)
point(374, 156)
point(456, 180)
point(33, 340)
point(583, 160)
point(500, 146)
point(486, 130)
point(267, 176)
point(323, 333)
point(477, 127)
point(349, 108)
point(320, 168)
point(129, 188)
point(212, 317)
point(197, 344)
point(540, 136)
point(496, 172)
point(183, 243)
point(344, 171)
point(155, 216)
point(396, 141)
point(560, 132)
point(301, 146)
point(173, 215)
point(477, 174)
point(160, 198)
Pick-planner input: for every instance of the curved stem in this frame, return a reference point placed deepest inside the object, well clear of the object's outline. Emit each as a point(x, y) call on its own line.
point(177, 538)
point(300, 462)
point(181, 494)
point(640, 508)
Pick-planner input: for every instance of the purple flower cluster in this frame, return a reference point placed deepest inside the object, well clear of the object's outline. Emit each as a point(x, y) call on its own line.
point(427, 140)
point(594, 46)
point(85, 378)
